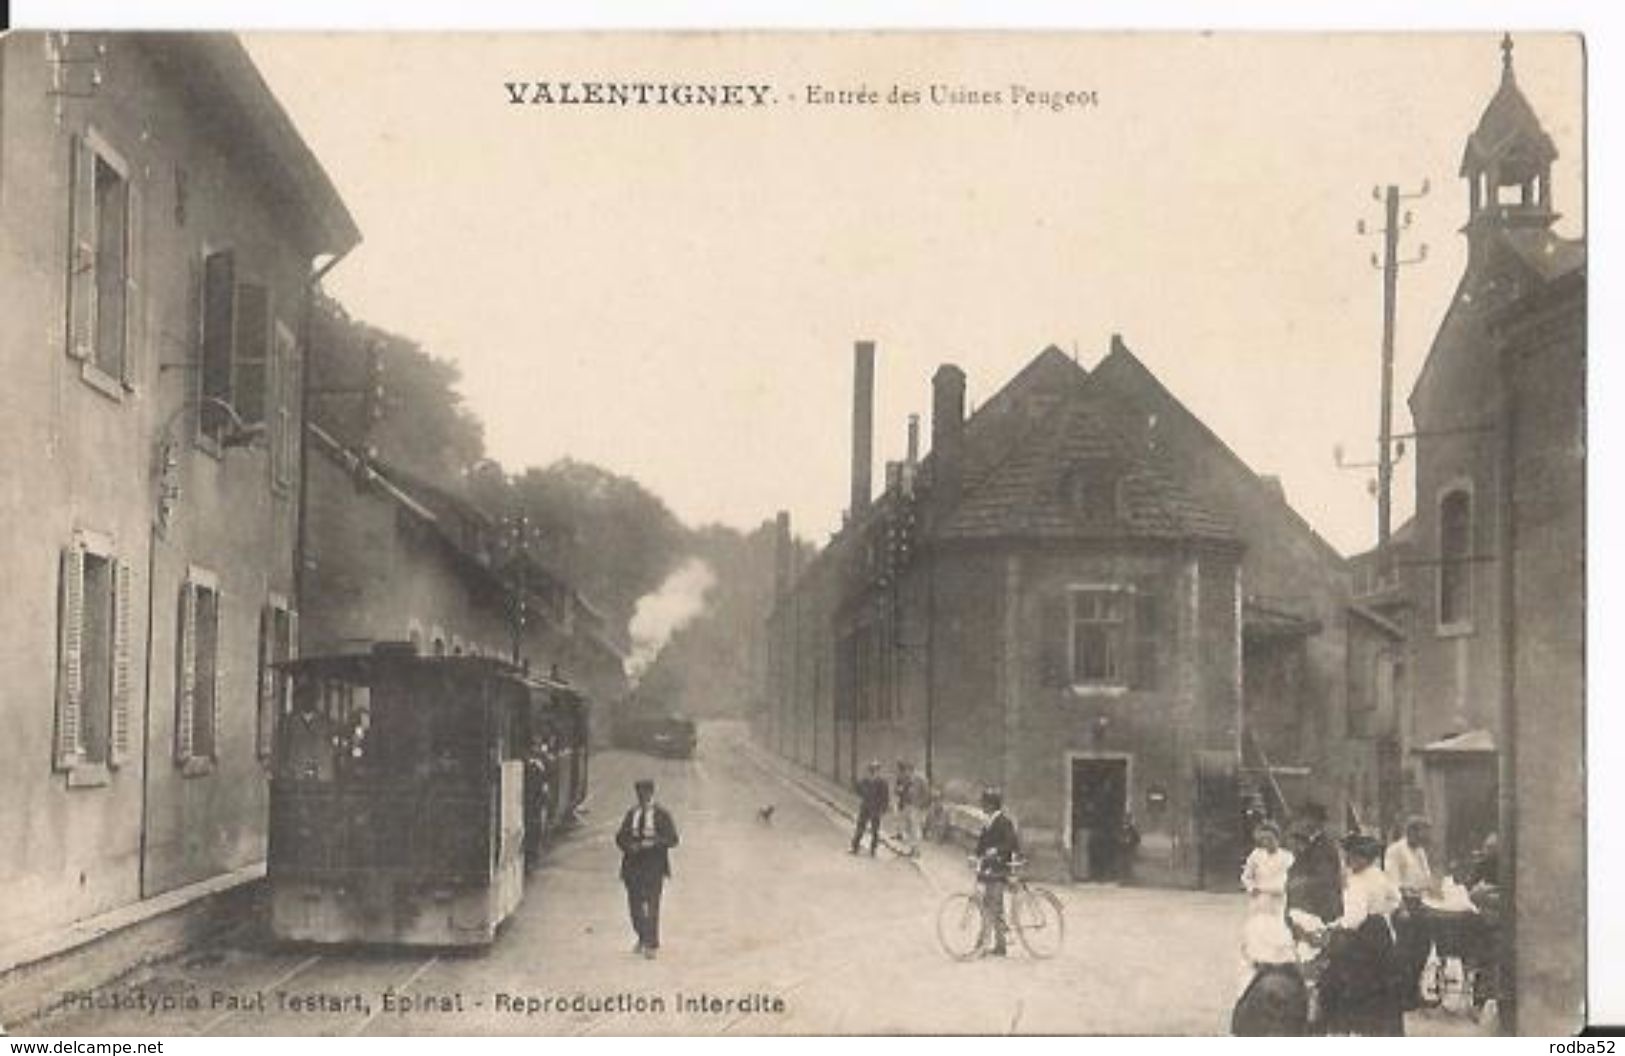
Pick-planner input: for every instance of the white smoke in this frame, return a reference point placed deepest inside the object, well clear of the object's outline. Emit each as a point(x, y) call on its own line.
point(661, 614)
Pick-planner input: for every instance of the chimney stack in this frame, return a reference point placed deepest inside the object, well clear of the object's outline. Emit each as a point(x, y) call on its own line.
point(781, 555)
point(947, 427)
point(913, 439)
point(863, 423)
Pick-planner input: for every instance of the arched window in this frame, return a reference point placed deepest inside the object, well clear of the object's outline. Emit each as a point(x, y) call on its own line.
point(1455, 558)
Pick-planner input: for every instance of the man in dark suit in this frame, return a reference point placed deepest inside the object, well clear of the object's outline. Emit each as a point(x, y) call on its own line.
point(996, 849)
point(647, 833)
point(874, 797)
point(1314, 883)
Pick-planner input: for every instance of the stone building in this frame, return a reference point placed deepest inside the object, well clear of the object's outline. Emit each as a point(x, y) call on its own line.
point(1082, 596)
point(163, 221)
point(393, 558)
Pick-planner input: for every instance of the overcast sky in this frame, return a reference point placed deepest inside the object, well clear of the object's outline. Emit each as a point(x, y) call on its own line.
point(674, 294)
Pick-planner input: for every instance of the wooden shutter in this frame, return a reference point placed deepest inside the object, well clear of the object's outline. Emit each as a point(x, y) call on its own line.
point(1147, 630)
point(265, 698)
point(293, 634)
point(70, 678)
point(219, 676)
point(135, 315)
point(118, 741)
point(1054, 628)
point(186, 673)
point(82, 250)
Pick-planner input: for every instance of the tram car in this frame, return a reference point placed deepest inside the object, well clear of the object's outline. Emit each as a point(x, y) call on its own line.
point(398, 799)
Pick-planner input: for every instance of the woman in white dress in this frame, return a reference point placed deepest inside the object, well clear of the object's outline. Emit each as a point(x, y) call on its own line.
point(1263, 876)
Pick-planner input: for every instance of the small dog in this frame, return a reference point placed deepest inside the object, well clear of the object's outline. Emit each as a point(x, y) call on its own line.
point(764, 814)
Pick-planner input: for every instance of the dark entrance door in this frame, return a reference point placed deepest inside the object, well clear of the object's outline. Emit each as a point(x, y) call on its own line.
point(1099, 799)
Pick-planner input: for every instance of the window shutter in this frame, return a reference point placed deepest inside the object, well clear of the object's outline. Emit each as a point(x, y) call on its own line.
point(1055, 625)
point(82, 250)
point(186, 676)
point(266, 703)
point(219, 676)
point(119, 738)
point(293, 634)
point(70, 681)
point(1147, 627)
point(135, 313)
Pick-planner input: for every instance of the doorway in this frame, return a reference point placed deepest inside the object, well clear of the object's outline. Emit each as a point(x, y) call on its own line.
point(1099, 802)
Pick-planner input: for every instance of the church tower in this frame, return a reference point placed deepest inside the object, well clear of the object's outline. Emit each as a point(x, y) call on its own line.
point(1507, 165)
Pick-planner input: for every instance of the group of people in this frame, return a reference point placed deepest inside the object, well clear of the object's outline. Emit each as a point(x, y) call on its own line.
point(912, 795)
point(1356, 902)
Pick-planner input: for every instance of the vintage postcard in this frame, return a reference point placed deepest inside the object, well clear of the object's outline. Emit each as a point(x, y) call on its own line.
point(814, 533)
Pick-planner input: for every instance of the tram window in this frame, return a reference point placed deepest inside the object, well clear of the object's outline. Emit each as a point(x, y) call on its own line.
point(327, 732)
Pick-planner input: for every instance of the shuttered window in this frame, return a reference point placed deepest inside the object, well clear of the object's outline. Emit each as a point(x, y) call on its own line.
point(94, 680)
point(279, 637)
point(105, 318)
point(199, 674)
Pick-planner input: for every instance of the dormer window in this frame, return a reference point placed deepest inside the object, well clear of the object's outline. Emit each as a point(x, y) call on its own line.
point(1092, 490)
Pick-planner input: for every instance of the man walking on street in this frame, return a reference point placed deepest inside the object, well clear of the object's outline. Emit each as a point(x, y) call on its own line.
point(996, 849)
point(912, 798)
point(647, 833)
point(873, 799)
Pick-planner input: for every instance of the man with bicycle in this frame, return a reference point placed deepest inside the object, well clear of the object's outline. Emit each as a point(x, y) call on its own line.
point(997, 846)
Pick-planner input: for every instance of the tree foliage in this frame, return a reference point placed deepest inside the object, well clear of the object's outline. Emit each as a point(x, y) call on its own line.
point(425, 428)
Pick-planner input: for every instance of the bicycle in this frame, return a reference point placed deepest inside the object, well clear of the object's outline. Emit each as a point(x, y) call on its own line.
point(1034, 913)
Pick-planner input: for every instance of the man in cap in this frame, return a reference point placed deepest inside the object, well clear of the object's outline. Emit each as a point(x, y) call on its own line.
point(873, 799)
point(646, 834)
point(997, 847)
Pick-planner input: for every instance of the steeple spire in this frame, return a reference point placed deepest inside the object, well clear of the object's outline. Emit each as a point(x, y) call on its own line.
point(1508, 160)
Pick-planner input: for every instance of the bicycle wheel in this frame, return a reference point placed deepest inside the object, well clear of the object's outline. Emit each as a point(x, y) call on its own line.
point(1039, 921)
point(959, 927)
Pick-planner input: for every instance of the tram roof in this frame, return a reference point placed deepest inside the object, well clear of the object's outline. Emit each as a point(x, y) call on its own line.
point(362, 667)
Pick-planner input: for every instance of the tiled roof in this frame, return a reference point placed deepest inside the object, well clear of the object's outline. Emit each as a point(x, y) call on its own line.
point(1081, 470)
point(1546, 254)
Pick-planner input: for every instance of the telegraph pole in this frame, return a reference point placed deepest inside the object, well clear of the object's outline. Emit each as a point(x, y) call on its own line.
point(1393, 225)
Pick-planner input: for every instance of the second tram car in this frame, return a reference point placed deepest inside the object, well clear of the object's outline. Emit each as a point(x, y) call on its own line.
point(399, 807)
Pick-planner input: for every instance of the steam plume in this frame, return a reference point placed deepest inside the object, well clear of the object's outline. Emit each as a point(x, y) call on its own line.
point(661, 614)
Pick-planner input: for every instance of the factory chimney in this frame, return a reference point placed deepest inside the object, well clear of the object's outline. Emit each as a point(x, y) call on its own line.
point(863, 424)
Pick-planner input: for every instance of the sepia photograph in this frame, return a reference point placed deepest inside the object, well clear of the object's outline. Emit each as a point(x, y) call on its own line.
point(794, 533)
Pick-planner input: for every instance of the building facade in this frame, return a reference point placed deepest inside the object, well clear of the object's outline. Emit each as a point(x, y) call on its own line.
point(162, 220)
point(1082, 597)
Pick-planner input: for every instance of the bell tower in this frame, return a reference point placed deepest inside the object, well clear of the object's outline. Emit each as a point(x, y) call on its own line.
point(1508, 163)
